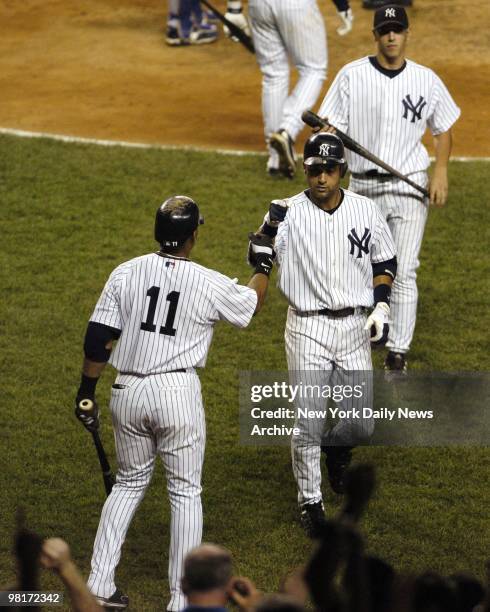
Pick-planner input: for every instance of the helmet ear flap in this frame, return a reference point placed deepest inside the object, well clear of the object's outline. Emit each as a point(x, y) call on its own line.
point(343, 169)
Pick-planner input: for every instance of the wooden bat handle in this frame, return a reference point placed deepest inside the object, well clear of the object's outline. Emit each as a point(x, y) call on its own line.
point(314, 121)
point(86, 405)
point(107, 475)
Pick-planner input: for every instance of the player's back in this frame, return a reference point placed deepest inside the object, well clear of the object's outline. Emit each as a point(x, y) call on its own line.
point(166, 308)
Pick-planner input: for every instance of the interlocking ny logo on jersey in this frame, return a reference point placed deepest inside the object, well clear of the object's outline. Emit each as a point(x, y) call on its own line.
point(415, 109)
point(362, 244)
point(390, 12)
point(325, 149)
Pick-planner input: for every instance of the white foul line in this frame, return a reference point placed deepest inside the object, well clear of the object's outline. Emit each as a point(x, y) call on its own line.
point(124, 143)
point(163, 147)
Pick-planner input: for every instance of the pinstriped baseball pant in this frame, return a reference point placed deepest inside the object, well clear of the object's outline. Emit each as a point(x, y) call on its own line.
point(157, 415)
point(323, 351)
point(406, 216)
point(284, 29)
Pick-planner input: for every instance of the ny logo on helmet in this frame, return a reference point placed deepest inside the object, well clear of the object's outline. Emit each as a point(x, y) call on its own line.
point(390, 12)
point(325, 149)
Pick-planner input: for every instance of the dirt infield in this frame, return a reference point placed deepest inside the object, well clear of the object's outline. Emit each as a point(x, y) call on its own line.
point(101, 69)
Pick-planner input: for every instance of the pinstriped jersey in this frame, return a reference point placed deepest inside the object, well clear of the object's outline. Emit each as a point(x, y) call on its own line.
point(325, 260)
point(389, 115)
point(166, 308)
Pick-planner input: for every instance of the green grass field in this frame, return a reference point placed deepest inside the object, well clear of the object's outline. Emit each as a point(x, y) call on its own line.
point(70, 214)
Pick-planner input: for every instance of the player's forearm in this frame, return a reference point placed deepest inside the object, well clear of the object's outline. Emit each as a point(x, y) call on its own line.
point(384, 274)
point(91, 372)
point(261, 256)
point(442, 145)
point(82, 599)
point(268, 230)
point(92, 369)
point(382, 279)
point(259, 283)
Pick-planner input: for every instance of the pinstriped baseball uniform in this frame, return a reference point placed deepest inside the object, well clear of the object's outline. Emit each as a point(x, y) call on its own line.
point(166, 308)
point(388, 112)
point(325, 261)
point(284, 29)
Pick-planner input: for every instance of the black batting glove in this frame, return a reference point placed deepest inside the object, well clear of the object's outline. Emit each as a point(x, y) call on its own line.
point(87, 412)
point(260, 253)
point(277, 212)
point(274, 217)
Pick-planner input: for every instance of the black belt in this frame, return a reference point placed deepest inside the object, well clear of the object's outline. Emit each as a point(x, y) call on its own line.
point(373, 174)
point(138, 375)
point(334, 314)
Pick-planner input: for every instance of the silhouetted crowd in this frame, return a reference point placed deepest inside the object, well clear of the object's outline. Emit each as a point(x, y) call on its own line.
point(339, 576)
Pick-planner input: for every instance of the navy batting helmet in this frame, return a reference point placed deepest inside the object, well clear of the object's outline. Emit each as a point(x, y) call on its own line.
point(325, 148)
point(176, 220)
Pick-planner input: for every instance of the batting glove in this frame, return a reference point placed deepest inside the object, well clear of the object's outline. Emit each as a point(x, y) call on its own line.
point(236, 16)
point(277, 213)
point(260, 253)
point(346, 17)
point(377, 322)
point(87, 412)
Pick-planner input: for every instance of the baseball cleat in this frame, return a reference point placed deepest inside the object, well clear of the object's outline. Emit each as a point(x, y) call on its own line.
point(202, 34)
point(313, 519)
point(205, 33)
point(210, 17)
point(117, 601)
point(395, 366)
point(283, 143)
point(174, 38)
point(337, 460)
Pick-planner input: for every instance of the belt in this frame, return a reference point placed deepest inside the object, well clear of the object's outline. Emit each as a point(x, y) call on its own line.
point(333, 314)
point(373, 174)
point(138, 375)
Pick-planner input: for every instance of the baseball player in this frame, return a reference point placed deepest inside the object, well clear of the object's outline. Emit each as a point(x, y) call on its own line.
point(161, 308)
point(188, 24)
point(336, 259)
point(385, 102)
point(285, 30)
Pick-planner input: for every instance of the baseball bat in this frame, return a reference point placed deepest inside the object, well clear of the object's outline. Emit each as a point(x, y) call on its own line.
point(235, 31)
point(313, 120)
point(107, 475)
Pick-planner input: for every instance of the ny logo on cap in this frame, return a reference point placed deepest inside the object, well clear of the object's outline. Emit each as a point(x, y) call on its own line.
point(390, 12)
point(325, 149)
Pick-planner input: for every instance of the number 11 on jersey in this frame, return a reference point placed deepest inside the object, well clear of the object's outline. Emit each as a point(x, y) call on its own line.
point(149, 325)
